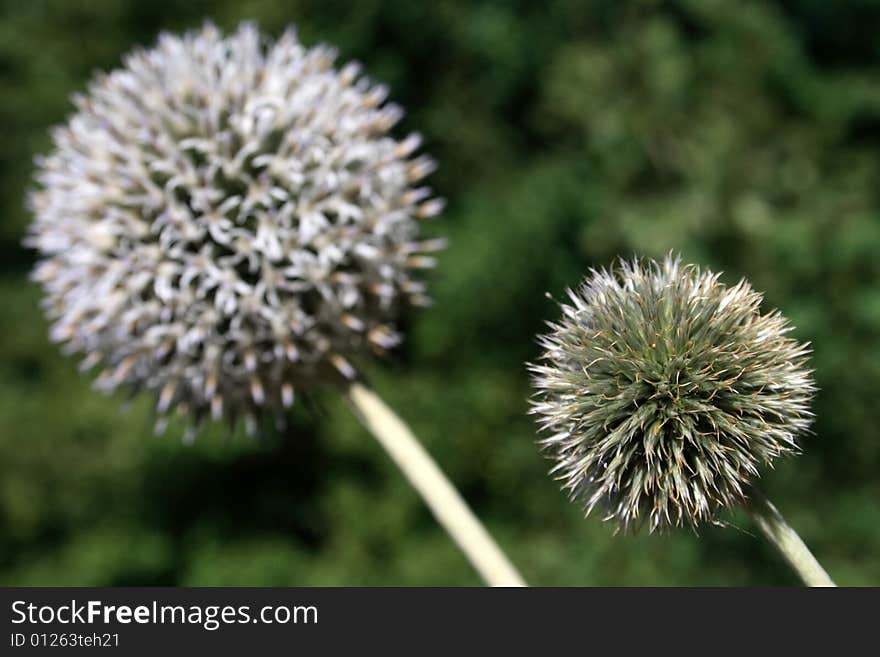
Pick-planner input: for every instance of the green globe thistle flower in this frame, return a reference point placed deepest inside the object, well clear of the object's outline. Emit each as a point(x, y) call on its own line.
point(663, 391)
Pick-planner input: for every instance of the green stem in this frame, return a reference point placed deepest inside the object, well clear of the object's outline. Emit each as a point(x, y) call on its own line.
point(451, 511)
point(786, 540)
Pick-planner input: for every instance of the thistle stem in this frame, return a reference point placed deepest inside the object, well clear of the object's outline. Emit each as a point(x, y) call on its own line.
point(448, 507)
point(786, 540)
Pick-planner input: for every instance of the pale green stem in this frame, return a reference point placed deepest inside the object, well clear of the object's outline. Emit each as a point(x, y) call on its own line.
point(451, 511)
point(786, 540)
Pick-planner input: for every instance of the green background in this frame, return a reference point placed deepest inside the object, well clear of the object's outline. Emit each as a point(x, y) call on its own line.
point(743, 134)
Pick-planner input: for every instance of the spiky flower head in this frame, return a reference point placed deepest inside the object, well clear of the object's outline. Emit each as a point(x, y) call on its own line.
point(663, 391)
point(225, 220)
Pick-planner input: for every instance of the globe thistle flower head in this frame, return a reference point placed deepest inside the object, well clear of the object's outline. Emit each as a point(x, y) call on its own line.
point(663, 391)
point(225, 221)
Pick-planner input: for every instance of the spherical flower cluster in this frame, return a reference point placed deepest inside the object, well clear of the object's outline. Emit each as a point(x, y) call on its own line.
point(225, 221)
point(663, 391)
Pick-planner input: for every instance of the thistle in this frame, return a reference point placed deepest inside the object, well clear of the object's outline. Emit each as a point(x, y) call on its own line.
point(664, 392)
point(226, 221)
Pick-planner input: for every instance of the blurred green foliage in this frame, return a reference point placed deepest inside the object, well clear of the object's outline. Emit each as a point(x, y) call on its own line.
point(743, 134)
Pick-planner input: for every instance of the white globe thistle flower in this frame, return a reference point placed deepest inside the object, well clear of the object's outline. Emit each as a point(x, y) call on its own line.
point(663, 392)
point(224, 222)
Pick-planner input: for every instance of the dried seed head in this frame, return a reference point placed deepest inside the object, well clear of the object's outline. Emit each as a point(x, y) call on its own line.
point(663, 391)
point(224, 221)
